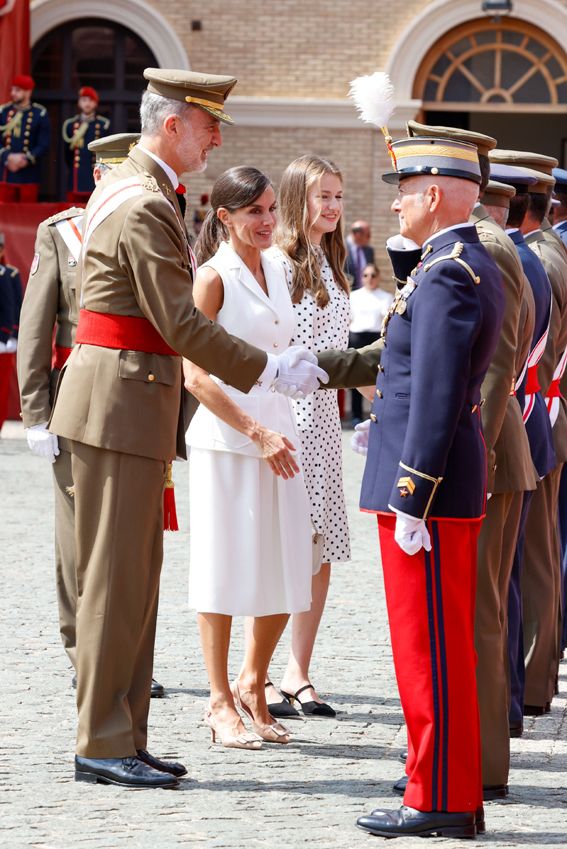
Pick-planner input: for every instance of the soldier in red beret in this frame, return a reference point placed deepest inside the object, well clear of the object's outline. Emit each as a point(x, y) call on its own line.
point(25, 133)
point(78, 132)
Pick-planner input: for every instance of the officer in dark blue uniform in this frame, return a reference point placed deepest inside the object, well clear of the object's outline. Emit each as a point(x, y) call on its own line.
point(425, 477)
point(10, 306)
point(560, 200)
point(85, 127)
point(25, 134)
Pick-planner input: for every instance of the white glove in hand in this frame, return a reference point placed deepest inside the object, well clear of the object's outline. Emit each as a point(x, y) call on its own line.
point(359, 439)
point(42, 443)
point(411, 534)
point(11, 345)
point(3, 348)
point(298, 373)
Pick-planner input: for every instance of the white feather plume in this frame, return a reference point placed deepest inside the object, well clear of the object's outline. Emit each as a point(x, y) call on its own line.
point(373, 96)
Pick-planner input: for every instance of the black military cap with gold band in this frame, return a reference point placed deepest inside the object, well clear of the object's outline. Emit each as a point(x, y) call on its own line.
point(112, 150)
point(433, 156)
point(207, 91)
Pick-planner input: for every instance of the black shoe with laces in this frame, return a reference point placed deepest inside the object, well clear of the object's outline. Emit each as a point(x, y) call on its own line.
point(125, 772)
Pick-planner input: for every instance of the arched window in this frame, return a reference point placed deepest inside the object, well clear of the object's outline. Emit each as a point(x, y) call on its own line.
point(481, 65)
point(94, 52)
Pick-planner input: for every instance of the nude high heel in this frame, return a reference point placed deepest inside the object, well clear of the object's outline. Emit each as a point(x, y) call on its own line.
point(248, 740)
point(271, 733)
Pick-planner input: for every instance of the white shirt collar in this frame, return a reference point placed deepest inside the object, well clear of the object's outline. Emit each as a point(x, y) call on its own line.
point(167, 168)
point(510, 230)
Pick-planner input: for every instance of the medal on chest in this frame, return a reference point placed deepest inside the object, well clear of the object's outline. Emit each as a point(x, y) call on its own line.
point(399, 305)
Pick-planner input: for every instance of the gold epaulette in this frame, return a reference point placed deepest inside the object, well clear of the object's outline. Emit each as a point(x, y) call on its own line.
point(72, 212)
point(455, 255)
point(104, 121)
point(42, 109)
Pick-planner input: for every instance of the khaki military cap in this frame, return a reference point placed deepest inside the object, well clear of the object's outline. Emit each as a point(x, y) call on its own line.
point(207, 91)
point(526, 159)
point(483, 143)
point(112, 150)
point(497, 194)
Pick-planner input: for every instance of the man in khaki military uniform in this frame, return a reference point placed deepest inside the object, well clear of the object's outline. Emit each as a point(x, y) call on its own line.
point(119, 402)
point(541, 568)
point(50, 304)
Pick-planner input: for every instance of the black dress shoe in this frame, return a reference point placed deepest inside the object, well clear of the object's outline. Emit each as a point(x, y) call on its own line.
point(74, 682)
point(403, 757)
point(157, 691)
point(516, 729)
point(536, 710)
point(283, 709)
point(400, 786)
point(162, 766)
point(494, 791)
point(408, 821)
point(312, 708)
point(126, 772)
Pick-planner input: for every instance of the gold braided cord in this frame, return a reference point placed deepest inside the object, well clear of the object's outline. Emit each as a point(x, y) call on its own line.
point(13, 126)
point(199, 100)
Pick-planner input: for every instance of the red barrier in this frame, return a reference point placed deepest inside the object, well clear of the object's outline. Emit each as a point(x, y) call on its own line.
point(19, 223)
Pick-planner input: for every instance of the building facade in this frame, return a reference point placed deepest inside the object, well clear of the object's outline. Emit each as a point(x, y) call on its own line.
point(450, 62)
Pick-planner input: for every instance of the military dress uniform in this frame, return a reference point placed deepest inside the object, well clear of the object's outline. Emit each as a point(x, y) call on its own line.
point(77, 134)
point(119, 402)
point(50, 305)
point(24, 131)
point(440, 335)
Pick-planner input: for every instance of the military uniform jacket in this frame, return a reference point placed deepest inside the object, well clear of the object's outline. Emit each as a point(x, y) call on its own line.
point(426, 454)
point(556, 270)
point(510, 465)
point(538, 425)
point(10, 302)
point(79, 159)
point(137, 263)
point(31, 135)
point(49, 304)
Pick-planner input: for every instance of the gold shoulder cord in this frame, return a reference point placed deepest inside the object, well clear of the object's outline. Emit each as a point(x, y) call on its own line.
point(456, 255)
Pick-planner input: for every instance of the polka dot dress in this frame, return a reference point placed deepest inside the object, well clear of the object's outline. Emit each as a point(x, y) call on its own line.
point(318, 420)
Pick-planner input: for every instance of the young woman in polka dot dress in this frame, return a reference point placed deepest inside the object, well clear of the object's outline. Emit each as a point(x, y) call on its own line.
point(311, 249)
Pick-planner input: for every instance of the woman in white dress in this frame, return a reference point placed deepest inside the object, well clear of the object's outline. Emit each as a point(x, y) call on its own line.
point(311, 250)
point(250, 533)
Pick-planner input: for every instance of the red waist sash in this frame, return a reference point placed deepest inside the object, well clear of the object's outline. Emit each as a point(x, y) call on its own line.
point(60, 356)
point(554, 390)
point(126, 332)
point(532, 382)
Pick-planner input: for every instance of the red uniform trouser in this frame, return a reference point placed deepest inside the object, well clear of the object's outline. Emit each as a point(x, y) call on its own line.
point(19, 192)
point(430, 598)
point(7, 364)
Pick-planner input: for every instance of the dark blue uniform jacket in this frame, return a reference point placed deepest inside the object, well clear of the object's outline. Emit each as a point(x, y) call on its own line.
point(32, 138)
point(538, 424)
point(426, 454)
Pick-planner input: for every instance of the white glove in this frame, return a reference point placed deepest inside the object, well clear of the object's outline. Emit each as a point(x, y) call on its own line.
point(4, 348)
point(411, 534)
point(298, 373)
point(359, 439)
point(42, 443)
point(401, 243)
point(11, 345)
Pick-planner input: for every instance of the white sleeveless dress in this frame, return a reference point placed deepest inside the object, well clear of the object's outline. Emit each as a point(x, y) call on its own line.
point(250, 531)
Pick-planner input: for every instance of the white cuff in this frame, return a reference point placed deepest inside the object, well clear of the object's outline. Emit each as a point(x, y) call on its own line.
point(269, 374)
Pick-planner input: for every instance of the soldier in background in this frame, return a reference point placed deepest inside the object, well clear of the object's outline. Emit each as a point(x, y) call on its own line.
point(25, 134)
point(10, 304)
point(50, 305)
point(78, 132)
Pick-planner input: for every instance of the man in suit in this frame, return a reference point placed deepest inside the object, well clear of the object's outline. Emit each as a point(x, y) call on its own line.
point(119, 403)
point(78, 132)
point(510, 474)
point(360, 252)
point(49, 306)
point(425, 468)
point(25, 134)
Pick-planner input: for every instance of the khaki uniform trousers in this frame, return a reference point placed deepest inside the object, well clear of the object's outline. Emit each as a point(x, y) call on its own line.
point(541, 592)
point(119, 539)
point(496, 546)
point(65, 574)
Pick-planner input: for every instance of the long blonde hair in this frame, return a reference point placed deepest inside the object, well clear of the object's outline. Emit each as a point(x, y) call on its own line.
point(292, 233)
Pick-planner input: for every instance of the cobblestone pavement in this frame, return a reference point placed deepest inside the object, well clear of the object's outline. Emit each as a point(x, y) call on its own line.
point(306, 794)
